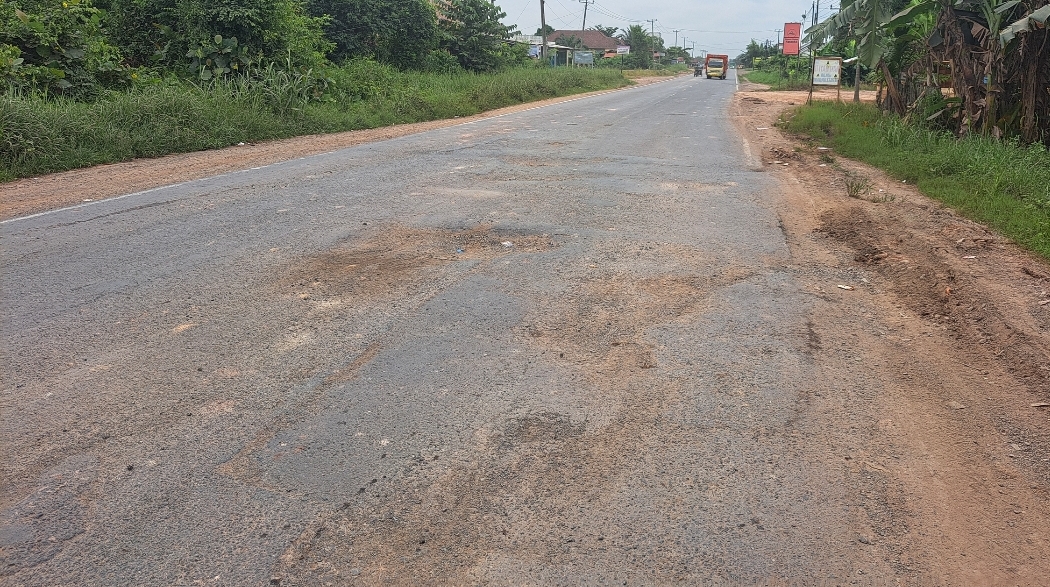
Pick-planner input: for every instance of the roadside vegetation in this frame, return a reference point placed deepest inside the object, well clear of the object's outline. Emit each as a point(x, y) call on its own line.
point(658, 72)
point(1004, 184)
point(778, 80)
point(43, 135)
point(96, 81)
point(964, 66)
point(961, 107)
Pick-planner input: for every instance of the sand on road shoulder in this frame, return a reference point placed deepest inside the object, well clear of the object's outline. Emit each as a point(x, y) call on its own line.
point(953, 321)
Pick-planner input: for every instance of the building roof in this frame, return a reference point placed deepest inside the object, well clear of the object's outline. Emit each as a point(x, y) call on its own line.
point(591, 39)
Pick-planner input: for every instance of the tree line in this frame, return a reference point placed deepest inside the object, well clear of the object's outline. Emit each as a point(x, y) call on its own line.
point(77, 48)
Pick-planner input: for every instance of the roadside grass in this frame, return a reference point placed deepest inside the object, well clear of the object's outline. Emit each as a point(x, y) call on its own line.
point(776, 81)
point(44, 134)
point(639, 73)
point(1003, 184)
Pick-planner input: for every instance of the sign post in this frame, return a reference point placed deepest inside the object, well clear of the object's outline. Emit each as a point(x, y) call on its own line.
point(827, 71)
point(792, 38)
point(792, 43)
point(622, 50)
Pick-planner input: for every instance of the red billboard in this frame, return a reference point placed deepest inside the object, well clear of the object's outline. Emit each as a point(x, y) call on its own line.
point(792, 37)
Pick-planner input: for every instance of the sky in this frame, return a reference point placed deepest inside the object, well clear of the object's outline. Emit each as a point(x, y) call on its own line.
point(714, 26)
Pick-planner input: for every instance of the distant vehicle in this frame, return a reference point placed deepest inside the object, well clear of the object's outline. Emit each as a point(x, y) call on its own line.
point(716, 66)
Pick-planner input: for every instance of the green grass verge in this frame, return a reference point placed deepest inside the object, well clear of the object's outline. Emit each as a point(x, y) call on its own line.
point(639, 73)
point(776, 81)
point(39, 135)
point(1002, 184)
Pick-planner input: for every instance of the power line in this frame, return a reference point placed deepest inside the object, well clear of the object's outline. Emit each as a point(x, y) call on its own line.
point(527, 4)
point(612, 14)
point(583, 27)
point(567, 9)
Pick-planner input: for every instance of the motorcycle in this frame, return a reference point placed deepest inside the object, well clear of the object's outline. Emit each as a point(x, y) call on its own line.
point(696, 72)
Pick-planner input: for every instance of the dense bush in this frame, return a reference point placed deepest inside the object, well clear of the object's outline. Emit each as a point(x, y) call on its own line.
point(399, 32)
point(474, 35)
point(77, 48)
point(170, 32)
point(58, 47)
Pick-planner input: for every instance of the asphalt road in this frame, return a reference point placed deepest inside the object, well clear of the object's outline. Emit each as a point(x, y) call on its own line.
point(559, 346)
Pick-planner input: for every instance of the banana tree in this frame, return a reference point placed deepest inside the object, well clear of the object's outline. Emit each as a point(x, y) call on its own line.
point(992, 12)
point(1029, 22)
point(865, 22)
point(1024, 43)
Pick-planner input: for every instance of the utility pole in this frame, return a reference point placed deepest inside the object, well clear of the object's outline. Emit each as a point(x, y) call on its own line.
point(652, 40)
point(543, 35)
point(676, 37)
point(778, 38)
point(585, 3)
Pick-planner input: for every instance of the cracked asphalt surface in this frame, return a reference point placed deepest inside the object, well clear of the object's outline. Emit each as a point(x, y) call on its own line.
point(560, 346)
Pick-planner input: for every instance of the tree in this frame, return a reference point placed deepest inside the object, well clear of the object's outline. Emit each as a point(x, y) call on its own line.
point(675, 53)
point(756, 50)
point(474, 35)
point(641, 44)
point(61, 47)
point(167, 31)
point(398, 32)
point(999, 85)
point(608, 31)
point(864, 21)
point(1022, 42)
point(545, 31)
point(569, 41)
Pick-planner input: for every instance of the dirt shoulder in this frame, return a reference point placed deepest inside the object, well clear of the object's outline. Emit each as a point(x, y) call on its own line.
point(954, 321)
point(58, 190)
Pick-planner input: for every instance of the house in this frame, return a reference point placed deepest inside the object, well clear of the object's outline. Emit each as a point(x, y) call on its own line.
point(590, 39)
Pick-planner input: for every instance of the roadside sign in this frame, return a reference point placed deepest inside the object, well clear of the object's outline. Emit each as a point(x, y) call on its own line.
point(792, 38)
point(623, 49)
point(827, 71)
point(583, 57)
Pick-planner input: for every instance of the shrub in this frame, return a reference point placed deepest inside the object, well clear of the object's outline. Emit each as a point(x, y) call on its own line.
point(58, 47)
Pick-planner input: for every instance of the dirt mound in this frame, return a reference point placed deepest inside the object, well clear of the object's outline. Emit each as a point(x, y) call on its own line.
point(944, 292)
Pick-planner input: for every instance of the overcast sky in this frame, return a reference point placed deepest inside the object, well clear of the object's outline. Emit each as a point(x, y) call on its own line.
point(716, 26)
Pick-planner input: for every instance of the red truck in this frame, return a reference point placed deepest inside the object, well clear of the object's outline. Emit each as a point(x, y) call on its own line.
point(716, 66)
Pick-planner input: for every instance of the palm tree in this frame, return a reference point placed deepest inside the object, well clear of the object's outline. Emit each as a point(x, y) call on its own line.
point(641, 44)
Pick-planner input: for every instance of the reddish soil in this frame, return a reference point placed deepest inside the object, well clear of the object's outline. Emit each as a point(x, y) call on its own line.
point(956, 321)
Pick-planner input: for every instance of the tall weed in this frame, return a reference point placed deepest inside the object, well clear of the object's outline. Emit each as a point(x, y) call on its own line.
point(45, 134)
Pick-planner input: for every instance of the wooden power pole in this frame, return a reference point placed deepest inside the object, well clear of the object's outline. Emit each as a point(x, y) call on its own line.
point(543, 34)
